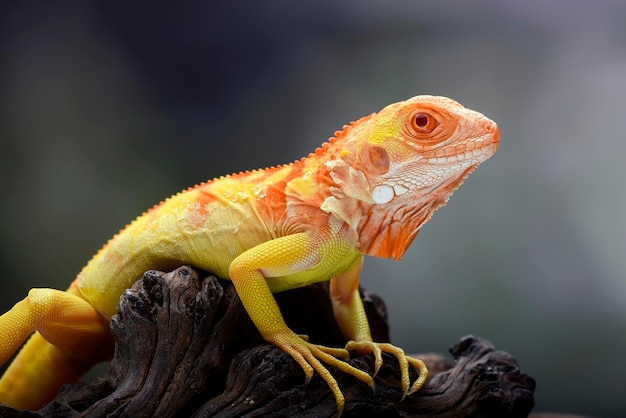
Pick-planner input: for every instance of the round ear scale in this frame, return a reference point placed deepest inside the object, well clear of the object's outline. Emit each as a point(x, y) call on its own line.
point(382, 194)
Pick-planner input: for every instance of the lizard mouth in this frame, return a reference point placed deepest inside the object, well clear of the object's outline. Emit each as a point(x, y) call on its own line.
point(487, 151)
point(446, 192)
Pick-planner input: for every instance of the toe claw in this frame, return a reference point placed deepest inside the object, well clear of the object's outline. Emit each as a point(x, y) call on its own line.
point(404, 361)
point(423, 374)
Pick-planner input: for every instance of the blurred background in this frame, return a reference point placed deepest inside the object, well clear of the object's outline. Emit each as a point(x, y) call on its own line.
point(106, 107)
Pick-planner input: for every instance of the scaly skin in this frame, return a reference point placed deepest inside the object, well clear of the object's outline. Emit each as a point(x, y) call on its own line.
point(366, 191)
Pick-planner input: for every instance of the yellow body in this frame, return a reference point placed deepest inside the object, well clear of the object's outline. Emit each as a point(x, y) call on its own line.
point(366, 191)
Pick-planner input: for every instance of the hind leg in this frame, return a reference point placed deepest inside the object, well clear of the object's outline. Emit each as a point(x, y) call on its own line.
point(71, 337)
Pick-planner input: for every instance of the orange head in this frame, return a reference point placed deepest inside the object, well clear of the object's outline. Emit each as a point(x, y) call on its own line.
point(396, 167)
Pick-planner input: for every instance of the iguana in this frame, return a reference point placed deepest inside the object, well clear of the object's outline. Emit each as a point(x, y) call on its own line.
point(368, 190)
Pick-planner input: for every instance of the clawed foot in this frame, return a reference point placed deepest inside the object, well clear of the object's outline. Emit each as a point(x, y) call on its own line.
point(365, 347)
point(308, 356)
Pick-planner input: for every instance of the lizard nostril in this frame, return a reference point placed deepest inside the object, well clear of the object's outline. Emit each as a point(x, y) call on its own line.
point(491, 127)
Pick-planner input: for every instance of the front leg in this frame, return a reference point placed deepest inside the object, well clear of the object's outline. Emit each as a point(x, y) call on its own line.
point(300, 259)
point(350, 315)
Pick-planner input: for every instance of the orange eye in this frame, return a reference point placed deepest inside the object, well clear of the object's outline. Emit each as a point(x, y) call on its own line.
point(423, 123)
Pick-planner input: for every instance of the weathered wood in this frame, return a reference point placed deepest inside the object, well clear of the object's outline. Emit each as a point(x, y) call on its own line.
point(186, 347)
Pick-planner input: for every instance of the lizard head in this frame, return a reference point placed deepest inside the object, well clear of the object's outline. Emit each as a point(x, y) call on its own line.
point(396, 167)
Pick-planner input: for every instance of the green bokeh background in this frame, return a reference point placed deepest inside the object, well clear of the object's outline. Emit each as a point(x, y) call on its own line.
point(107, 107)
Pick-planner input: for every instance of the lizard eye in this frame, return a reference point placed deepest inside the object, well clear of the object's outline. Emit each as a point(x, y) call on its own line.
point(423, 123)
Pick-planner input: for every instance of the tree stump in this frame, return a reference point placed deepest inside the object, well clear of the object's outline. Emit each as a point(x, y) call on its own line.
point(184, 346)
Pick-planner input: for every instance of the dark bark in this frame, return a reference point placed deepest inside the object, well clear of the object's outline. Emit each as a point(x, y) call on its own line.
point(186, 347)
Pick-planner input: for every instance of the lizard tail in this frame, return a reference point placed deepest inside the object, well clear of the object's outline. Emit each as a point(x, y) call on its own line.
point(36, 374)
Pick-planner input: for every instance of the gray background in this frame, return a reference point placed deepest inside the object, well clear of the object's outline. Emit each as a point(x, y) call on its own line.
point(107, 107)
